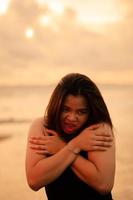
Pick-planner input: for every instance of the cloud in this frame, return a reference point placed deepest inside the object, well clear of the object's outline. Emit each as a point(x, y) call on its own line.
point(64, 45)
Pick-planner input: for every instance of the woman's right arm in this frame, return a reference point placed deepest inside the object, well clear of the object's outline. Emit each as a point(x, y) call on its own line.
point(41, 170)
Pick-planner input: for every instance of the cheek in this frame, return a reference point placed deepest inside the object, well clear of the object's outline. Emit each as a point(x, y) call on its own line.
point(84, 120)
point(62, 117)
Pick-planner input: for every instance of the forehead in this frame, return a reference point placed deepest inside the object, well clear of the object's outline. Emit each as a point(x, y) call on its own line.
point(75, 101)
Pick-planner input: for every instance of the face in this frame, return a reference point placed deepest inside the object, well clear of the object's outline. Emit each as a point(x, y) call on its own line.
point(74, 113)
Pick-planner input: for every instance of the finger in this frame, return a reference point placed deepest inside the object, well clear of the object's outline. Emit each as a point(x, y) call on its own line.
point(36, 141)
point(37, 147)
point(37, 138)
point(99, 148)
point(103, 133)
point(103, 138)
point(44, 152)
point(103, 144)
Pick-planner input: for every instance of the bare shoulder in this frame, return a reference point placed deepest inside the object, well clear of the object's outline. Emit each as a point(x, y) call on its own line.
point(38, 121)
point(37, 127)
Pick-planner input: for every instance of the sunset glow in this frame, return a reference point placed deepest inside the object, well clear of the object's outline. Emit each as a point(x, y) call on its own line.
point(53, 14)
point(4, 6)
point(99, 19)
point(56, 7)
point(29, 33)
point(45, 20)
point(97, 16)
point(66, 35)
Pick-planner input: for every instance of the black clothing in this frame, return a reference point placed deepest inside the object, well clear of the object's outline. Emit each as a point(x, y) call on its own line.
point(69, 187)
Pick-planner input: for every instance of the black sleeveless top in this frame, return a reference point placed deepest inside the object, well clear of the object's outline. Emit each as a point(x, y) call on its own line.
point(69, 187)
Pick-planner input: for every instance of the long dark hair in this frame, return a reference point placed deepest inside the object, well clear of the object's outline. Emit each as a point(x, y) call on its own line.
point(76, 84)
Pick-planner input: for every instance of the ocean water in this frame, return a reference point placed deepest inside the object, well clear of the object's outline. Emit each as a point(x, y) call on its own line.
point(20, 105)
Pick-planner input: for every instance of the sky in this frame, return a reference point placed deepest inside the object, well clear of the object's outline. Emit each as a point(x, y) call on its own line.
point(42, 40)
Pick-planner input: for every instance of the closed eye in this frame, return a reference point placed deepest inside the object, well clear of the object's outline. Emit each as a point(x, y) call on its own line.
point(83, 111)
point(79, 111)
point(65, 109)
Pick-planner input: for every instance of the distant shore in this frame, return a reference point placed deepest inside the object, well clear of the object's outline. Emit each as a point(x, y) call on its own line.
point(13, 120)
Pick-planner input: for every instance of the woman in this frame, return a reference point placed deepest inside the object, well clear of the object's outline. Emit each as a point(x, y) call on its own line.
point(71, 151)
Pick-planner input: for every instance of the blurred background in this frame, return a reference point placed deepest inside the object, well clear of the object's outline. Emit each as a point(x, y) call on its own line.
point(43, 40)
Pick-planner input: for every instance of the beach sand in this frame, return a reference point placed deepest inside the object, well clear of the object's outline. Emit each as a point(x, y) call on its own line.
point(12, 166)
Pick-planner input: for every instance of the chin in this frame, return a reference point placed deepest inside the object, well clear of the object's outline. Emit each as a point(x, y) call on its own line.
point(74, 132)
point(69, 132)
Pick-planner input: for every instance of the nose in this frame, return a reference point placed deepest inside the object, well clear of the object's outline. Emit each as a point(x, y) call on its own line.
point(72, 117)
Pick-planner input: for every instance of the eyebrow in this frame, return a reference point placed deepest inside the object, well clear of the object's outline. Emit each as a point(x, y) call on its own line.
point(83, 109)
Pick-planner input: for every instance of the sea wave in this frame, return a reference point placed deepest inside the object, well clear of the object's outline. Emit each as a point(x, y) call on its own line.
point(14, 120)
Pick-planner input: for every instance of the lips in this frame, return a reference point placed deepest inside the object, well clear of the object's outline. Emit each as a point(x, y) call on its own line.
point(69, 128)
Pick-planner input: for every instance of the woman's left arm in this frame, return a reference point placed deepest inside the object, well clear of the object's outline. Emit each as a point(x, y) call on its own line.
point(99, 170)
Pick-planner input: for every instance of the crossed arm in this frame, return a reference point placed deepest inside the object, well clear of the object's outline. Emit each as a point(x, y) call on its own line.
point(97, 171)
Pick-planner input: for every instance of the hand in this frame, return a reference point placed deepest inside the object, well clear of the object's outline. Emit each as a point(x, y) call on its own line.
point(49, 144)
point(97, 137)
